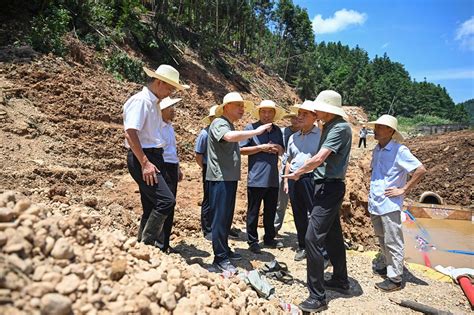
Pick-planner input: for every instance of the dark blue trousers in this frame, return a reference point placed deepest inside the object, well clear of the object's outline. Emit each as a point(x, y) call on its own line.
point(324, 231)
point(301, 194)
point(222, 203)
point(255, 196)
point(158, 197)
point(171, 178)
point(206, 213)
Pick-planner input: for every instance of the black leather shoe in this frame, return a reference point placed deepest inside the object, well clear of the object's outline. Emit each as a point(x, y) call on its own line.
point(255, 248)
point(273, 244)
point(337, 286)
point(234, 256)
point(234, 233)
point(388, 285)
point(313, 306)
point(380, 272)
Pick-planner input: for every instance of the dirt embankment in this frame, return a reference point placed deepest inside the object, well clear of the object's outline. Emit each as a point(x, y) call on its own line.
point(449, 159)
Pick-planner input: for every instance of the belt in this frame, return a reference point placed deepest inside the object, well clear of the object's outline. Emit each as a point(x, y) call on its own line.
point(153, 150)
point(328, 180)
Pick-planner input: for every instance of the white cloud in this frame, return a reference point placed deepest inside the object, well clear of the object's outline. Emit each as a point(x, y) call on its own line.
point(385, 45)
point(340, 21)
point(465, 34)
point(447, 74)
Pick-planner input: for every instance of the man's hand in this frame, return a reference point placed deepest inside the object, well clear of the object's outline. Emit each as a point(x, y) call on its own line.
point(293, 176)
point(269, 148)
point(261, 129)
point(149, 172)
point(285, 186)
point(394, 192)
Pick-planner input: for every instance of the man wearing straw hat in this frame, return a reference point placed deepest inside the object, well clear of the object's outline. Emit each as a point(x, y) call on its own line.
point(200, 151)
point(223, 173)
point(329, 167)
point(172, 173)
point(282, 195)
point(302, 145)
point(391, 164)
point(262, 183)
point(142, 124)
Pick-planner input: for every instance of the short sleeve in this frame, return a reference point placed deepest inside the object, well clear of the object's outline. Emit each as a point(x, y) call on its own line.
point(201, 143)
point(407, 160)
point(134, 114)
point(280, 137)
point(247, 142)
point(219, 128)
point(334, 139)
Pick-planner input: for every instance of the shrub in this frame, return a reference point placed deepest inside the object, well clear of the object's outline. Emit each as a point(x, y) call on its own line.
point(48, 29)
point(124, 67)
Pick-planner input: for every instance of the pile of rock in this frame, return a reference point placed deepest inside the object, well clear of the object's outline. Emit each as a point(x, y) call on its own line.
point(52, 264)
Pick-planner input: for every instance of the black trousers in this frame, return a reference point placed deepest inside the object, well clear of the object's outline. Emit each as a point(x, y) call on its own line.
point(154, 198)
point(171, 178)
point(362, 140)
point(222, 203)
point(324, 231)
point(255, 196)
point(301, 194)
point(206, 213)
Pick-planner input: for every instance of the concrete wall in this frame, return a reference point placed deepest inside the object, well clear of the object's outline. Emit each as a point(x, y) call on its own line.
point(438, 129)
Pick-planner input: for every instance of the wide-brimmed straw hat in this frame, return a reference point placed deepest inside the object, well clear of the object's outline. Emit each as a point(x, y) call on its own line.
point(290, 114)
point(330, 101)
point(279, 112)
point(166, 74)
point(233, 97)
point(307, 105)
point(167, 102)
point(390, 121)
point(212, 113)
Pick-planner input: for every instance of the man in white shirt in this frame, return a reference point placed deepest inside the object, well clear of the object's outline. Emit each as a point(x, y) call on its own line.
point(142, 124)
point(172, 173)
point(391, 164)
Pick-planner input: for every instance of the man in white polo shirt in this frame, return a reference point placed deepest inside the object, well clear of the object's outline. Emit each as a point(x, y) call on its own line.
point(142, 124)
point(173, 173)
point(391, 164)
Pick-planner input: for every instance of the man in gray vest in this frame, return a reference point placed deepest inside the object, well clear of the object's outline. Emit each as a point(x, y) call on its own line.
point(324, 227)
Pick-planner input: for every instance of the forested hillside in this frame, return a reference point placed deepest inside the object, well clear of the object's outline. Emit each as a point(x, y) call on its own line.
point(277, 35)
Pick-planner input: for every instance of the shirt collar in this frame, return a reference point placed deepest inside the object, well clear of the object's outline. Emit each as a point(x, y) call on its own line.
point(300, 132)
point(388, 147)
point(152, 96)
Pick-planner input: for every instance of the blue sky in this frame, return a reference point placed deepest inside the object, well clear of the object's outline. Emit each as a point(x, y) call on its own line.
point(431, 38)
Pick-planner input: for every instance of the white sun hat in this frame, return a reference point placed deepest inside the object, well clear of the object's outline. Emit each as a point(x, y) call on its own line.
point(168, 74)
point(294, 108)
point(390, 121)
point(233, 97)
point(279, 112)
point(330, 101)
point(212, 113)
point(307, 105)
point(167, 102)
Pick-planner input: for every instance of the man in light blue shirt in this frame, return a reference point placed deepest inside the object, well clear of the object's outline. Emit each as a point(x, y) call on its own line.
point(391, 164)
point(302, 145)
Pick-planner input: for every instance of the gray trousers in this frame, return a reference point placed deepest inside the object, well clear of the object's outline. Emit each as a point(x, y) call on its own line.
point(388, 229)
point(281, 205)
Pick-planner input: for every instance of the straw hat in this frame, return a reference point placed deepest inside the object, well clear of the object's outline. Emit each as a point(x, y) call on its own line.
point(291, 114)
point(329, 101)
point(233, 97)
point(166, 74)
point(389, 121)
point(279, 112)
point(307, 105)
point(167, 102)
point(212, 113)
point(294, 108)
